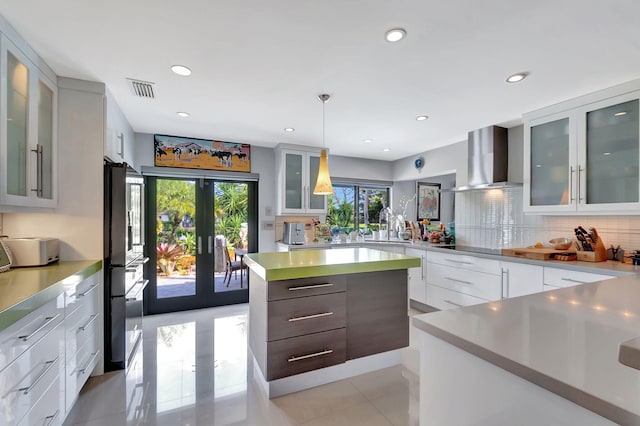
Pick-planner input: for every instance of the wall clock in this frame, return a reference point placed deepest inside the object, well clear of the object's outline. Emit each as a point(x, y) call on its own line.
point(419, 163)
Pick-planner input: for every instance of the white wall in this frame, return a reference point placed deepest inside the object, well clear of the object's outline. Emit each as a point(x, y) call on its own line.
point(78, 220)
point(360, 168)
point(437, 162)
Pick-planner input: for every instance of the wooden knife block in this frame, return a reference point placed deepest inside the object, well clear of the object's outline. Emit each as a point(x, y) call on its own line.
point(599, 253)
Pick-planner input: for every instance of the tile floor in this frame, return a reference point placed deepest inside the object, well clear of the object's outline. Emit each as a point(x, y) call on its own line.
point(192, 369)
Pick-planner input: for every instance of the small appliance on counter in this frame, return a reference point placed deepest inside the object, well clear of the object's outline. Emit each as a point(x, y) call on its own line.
point(293, 233)
point(33, 251)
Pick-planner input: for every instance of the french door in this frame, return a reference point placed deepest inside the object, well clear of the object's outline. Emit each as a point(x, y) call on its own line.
point(198, 231)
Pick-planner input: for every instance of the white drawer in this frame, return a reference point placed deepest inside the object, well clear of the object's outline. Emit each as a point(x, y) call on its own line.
point(20, 336)
point(79, 329)
point(443, 298)
point(87, 292)
point(462, 261)
point(27, 378)
point(46, 411)
point(478, 284)
point(81, 363)
point(565, 278)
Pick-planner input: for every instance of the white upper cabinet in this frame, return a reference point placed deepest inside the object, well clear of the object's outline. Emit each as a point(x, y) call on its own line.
point(119, 137)
point(584, 158)
point(297, 172)
point(28, 131)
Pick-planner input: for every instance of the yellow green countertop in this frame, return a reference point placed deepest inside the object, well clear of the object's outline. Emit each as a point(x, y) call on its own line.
point(23, 290)
point(318, 263)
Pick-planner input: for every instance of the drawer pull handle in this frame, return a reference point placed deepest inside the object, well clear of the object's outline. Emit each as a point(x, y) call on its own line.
point(458, 281)
point(91, 359)
point(574, 281)
point(313, 355)
point(307, 287)
point(49, 366)
point(89, 290)
point(306, 317)
point(459, 261)
point(92, 318)
point(48, 320)
point(454, 304)
point(51, 419)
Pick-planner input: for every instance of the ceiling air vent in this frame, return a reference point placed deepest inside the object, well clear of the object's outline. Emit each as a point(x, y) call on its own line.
point(142, 89)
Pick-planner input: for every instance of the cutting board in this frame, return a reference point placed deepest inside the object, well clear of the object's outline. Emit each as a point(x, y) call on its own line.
point(533, 253)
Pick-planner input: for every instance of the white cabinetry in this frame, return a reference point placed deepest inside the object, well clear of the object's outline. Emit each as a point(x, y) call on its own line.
point(31, 375)
point(82, 328)
point(28, 131)
point(418, 276)
point(520, 279)
point(455, 280)
point(583, 155)
point(297, 171)
point(556, 278)
point(119, 136)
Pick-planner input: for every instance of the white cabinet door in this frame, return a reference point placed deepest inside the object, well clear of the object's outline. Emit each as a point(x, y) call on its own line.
point(297, 174)
point(565, 278)
point(584, 155)
point(28, 131)
point(417, 276)
point(520, 279)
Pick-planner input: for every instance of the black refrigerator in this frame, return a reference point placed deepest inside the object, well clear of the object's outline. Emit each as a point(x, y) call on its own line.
point(123, 264)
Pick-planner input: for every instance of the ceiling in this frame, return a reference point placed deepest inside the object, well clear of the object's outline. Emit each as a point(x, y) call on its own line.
point(258, 66)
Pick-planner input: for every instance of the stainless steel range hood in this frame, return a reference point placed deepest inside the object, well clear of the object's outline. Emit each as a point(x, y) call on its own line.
point(488, 153)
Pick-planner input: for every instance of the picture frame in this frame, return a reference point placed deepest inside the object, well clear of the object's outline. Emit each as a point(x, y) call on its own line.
point(204, 154)
point(5, 257)
point(428, 201)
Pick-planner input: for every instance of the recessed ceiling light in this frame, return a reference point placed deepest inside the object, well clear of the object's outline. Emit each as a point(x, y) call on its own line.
point(289, 129)
point(606, 153)
point(538, 165)
point(514, 78)
point(367, 140)
point(183, 114)
point(386, 150)
point(395, 34)
point(618, 114)
point(181, 70)
point(422, 117)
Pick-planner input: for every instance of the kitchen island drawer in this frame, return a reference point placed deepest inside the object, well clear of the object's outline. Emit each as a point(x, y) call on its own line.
point(305, 353)
point(287, 289)
point(443, 298)
point(484, 286)
point(304, 315)
point(566, 278)
point(470, 263)
point(20, 336)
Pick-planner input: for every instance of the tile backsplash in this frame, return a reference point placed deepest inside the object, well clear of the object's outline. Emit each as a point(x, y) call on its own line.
point(494, 219)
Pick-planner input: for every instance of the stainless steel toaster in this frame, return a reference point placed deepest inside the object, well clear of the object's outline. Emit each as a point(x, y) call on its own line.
point(33, 251)
point(293, 233)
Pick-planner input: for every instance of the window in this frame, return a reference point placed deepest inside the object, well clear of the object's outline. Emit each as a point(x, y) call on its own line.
point(356, 206)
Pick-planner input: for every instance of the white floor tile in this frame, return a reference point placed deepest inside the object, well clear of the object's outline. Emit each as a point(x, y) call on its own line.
point(193, 369)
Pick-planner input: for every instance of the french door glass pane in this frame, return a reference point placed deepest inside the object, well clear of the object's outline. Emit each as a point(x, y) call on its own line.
point(231, 229)
point(550, 163)
point(176, 238)
point(17, 118)
point(612, 154)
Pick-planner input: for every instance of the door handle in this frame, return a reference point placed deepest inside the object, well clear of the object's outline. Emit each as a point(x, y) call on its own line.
point(199, 245)
point(210, 244)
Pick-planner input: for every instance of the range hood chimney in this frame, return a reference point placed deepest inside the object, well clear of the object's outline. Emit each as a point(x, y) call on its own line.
point(488, 158)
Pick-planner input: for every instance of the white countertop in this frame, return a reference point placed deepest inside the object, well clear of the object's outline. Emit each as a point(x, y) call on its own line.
point(566, 341)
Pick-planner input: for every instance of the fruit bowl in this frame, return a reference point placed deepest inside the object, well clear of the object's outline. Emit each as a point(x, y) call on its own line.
point(561, 243)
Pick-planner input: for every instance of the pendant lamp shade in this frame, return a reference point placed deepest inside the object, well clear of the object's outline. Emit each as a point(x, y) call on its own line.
point(323, 183)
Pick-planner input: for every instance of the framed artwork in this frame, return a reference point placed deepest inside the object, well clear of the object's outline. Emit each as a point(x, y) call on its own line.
point(190, 153)
point(428, 201)
point(5, 258)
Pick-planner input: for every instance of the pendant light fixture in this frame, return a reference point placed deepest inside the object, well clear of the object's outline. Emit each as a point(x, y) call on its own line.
point(323, 183)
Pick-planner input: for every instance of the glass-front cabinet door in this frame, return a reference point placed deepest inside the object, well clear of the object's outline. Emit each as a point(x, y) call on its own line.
point(549, 165)
point(299, 174)
point(27, 131)
point(610, 155)
point(293, 181)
